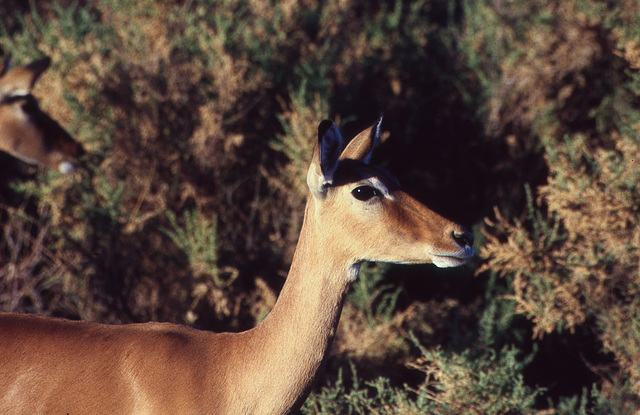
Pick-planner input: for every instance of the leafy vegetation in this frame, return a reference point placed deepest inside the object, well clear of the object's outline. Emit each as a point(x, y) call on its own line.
point(519, 119)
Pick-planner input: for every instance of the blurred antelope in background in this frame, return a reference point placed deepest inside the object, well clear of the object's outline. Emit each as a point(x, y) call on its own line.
point(355, 212)
point(26, 132)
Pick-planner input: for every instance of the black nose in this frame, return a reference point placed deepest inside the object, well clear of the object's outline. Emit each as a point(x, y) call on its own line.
point(464, 238)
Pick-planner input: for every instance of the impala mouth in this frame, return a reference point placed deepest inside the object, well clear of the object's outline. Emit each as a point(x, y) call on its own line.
point(454, 260)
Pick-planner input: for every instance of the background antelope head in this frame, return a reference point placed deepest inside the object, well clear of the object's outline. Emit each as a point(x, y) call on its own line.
point(26, 132)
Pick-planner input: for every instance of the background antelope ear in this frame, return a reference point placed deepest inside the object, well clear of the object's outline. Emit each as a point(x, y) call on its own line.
point(20, 81)
point(35, 69)
point(4, 66)
point(325, 158)
point(362, 145)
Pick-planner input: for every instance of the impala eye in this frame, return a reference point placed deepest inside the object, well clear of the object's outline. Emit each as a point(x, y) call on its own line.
point(364, 193)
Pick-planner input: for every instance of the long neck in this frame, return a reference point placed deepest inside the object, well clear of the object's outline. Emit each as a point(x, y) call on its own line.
point(290, 345)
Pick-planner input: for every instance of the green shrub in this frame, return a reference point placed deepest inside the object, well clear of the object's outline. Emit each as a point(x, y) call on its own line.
point(574, 260)
point(200, 117)
point(482, 381)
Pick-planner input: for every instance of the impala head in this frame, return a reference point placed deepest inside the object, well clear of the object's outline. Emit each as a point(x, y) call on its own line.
point(26, 132)
point(364, 204)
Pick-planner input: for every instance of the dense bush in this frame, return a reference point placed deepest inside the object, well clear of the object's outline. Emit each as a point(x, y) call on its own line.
point(519, 119)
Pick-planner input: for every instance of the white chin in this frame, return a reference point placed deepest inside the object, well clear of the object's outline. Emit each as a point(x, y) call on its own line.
point(65, 167)
point(447, 261)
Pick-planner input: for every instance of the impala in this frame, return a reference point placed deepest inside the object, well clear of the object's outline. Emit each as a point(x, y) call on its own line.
point(26, 132)
point(354, 213)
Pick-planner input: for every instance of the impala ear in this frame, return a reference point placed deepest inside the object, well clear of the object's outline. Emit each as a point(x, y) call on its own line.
point(36, 68)
point(325, 158)
point(4, 66)
point(362, 145)
point(20, 81)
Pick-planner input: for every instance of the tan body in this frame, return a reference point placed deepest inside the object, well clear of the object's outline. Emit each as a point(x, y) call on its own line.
point(57, 366)
point(26, 132)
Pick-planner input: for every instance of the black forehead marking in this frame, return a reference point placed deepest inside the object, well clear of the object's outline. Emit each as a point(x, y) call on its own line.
point(352, 171)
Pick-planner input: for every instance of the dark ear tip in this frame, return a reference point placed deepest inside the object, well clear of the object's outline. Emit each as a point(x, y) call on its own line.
point(40, 65)
point(324, 127)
